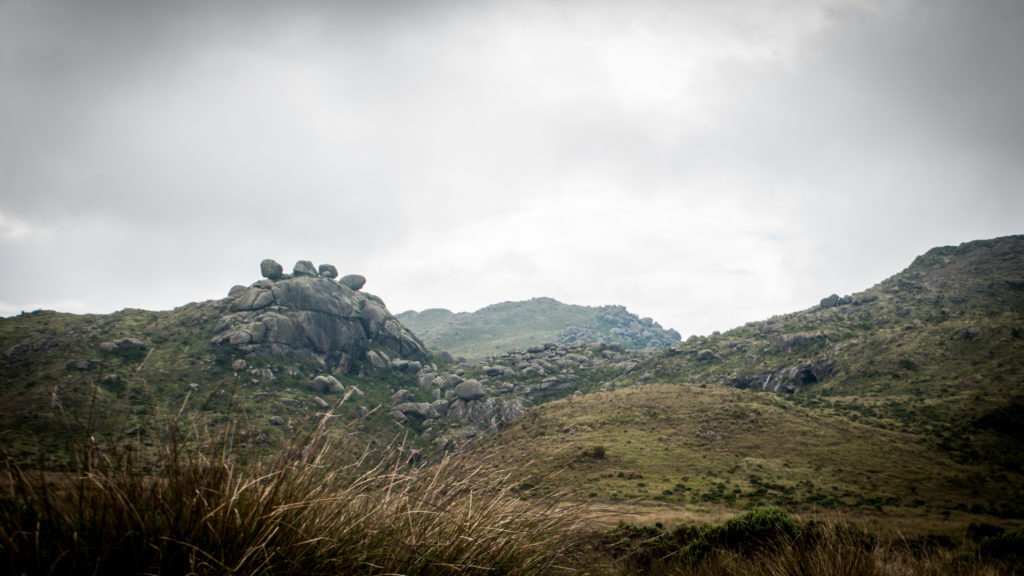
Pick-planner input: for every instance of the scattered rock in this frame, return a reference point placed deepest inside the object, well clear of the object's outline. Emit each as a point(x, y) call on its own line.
point(278, 421)
point(830, 301)
point(401, 397)
point(271, 269)
point(706, 356)
point(320, 402)
point(326, 384)
point(423, 410)
point(238, 365)
point(470, 390)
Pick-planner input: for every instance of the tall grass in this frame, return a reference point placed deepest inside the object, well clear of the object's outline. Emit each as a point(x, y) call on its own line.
point(321, 507)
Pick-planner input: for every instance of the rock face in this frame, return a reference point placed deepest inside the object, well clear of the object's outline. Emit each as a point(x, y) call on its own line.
point(311, 317)
point(785, 380)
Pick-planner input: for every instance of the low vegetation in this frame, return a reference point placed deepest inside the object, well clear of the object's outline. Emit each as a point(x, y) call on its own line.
point(322, 507)
point(769, 541)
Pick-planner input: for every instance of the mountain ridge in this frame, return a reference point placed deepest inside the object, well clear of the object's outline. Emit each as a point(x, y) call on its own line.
point(505, 326)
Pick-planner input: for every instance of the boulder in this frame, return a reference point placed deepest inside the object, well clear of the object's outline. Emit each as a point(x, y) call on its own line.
point(830, 301)
point(236, 291)
point(325, 384)
point(353, 281)
point(470, 390)
point(277, 421)
point(376, 359)
point(328, 271)
point(401, 397)
point(706, 356)
point(423, 410)
point(304, 268)
point(271, 269)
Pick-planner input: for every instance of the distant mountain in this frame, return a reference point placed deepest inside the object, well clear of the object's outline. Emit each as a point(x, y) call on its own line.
point(510, 325)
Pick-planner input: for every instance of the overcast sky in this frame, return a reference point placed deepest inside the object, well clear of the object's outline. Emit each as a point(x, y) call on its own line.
point(705, 163)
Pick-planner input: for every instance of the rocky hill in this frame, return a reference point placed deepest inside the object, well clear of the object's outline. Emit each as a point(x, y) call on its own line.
point(518, 325)
point(281, 353)
point(902, 400)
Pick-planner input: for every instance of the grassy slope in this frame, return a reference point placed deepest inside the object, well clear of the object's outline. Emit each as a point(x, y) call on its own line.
point(45, 395)
point(496, 328)
point(917, 417)
point(683, 444)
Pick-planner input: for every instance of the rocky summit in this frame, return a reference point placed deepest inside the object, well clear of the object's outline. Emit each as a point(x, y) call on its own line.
point(310, 316)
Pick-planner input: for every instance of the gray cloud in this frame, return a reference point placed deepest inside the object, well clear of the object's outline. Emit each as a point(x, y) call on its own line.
point(702, 163)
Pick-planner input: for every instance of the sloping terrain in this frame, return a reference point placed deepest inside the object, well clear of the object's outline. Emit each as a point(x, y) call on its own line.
point(518, 325)
point(278, 353)
point(904, 399)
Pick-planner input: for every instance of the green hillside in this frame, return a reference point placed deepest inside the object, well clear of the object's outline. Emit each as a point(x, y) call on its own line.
point(518, 325)
point(900, 401)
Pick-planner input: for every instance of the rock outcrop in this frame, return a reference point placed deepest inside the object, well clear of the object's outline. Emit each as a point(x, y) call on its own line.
point(310, 316)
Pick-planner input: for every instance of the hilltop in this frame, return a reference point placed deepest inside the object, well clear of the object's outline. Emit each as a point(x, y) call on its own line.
point(518, 325)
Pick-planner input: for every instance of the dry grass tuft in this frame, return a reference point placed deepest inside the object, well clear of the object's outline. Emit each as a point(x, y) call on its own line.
point(319, 508)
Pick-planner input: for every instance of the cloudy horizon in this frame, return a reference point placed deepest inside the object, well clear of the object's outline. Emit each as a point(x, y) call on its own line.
point(701, 163)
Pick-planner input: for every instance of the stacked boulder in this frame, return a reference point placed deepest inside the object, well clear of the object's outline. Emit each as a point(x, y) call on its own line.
point(309, 315)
